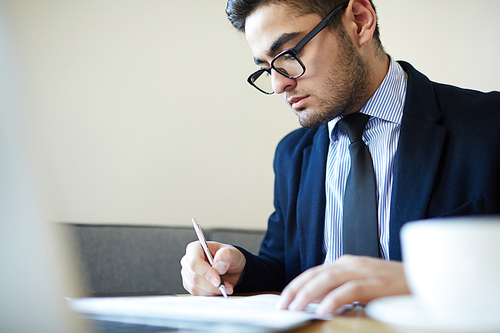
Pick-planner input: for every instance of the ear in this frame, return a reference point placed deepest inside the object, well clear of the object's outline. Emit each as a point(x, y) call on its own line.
point(361, 21)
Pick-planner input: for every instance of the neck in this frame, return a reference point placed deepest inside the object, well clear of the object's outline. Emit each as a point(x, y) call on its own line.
point(379, 66)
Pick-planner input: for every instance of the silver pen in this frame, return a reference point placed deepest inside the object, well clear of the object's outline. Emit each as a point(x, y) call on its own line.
point(208, 254)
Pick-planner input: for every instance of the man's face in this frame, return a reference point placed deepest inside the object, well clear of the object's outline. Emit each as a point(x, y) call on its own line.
point(336, 78)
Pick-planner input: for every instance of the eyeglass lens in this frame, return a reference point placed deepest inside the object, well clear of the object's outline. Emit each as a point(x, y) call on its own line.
point(262, 81)
point(286, 65)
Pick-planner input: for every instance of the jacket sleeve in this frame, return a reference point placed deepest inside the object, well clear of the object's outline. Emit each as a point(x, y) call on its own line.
point(266, 272)
point(279, 259)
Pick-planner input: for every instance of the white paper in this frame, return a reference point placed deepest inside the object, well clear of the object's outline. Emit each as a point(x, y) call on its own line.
point(254, 311)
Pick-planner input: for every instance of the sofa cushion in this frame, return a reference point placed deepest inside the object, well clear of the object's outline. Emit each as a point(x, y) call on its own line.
point(248, 239)
point(129, 260)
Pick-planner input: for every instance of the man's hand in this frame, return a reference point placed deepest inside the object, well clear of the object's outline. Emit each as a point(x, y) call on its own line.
point(349, 279)
point(199, 278)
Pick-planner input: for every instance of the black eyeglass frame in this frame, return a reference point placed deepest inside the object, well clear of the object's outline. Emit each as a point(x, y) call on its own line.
point(294, 52)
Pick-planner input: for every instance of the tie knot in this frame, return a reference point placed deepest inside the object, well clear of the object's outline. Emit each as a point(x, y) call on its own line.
point(354, 125)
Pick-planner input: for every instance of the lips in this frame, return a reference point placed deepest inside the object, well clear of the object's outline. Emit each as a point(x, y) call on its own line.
point(297, 102)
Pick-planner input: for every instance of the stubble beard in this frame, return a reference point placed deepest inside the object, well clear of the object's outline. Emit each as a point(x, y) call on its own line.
point(349, 82)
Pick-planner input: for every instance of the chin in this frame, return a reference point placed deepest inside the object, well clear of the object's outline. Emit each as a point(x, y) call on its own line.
point(310, 120)
point(310, 123)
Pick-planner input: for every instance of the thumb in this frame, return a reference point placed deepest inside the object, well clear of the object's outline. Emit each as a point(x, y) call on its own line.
point(229, 259)
point(221, 267)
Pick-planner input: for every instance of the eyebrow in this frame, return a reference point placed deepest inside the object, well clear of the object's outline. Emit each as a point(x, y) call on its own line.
point(278, 43)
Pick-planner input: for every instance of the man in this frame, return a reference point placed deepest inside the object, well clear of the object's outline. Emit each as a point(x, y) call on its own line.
point(435, 152)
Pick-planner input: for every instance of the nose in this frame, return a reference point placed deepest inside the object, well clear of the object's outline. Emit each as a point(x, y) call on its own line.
point(281, 83)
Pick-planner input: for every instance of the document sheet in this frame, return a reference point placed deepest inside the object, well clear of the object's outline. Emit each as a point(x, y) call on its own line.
point(254, 312)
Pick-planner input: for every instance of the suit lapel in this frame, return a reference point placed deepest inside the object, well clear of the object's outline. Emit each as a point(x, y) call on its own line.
point(311, 200)
point(417, 159)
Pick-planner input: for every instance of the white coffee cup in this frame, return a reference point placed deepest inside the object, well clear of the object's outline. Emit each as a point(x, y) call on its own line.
point(452, 267)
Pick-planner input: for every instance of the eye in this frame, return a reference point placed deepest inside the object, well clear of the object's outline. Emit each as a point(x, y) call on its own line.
point(282, 70)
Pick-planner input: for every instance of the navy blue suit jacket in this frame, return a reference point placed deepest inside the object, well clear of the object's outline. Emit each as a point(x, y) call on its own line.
point(447, 163)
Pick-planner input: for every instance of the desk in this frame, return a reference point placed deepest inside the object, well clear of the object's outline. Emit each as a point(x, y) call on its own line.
point(351, 321)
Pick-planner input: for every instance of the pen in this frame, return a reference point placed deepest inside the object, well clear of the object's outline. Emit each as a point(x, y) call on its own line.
point(204, 245)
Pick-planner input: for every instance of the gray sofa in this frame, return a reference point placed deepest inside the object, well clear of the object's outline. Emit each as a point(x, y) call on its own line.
point(124, 260)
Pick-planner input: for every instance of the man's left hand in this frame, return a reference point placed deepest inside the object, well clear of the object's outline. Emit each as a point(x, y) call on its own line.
point(349, 279)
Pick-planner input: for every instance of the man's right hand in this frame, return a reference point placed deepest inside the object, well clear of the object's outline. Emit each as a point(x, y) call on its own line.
point(199, 278)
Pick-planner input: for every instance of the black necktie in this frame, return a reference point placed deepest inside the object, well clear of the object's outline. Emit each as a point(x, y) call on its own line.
point(360, 225)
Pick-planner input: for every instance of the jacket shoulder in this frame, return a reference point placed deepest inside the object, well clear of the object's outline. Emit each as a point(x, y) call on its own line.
point(466, 99)
point(443, 103)
point(296, 141)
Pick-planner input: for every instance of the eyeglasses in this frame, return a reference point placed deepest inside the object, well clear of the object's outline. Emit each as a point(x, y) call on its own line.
point(287, 63)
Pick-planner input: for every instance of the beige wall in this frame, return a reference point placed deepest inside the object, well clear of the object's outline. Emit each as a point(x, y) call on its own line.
point(141, 113)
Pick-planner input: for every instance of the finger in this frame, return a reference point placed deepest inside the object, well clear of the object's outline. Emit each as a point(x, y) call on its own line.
point(199, 277)
point(317, 282)
point(196, 283)
point(289, 293)
point(196, 261)
point(328, 278)
point(381, 278)
point(190, 282)
point(350, 292)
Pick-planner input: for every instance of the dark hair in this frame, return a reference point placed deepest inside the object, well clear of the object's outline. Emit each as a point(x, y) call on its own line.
point(237, 11)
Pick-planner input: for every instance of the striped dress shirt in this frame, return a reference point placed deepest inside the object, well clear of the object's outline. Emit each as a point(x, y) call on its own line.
point(381, 135)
